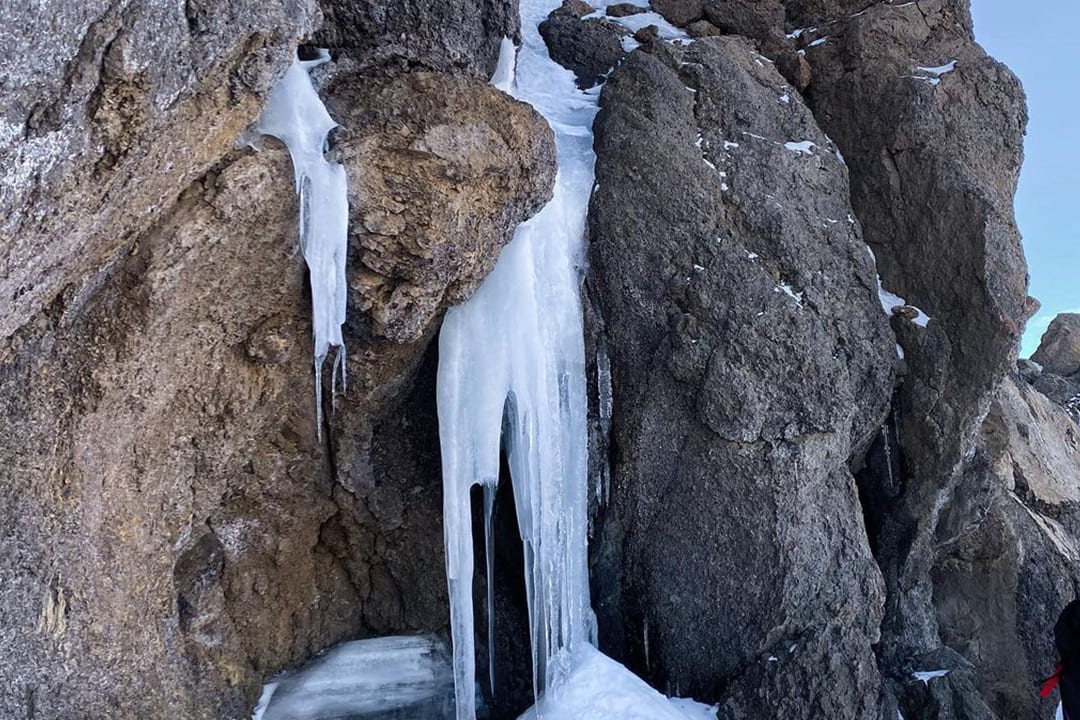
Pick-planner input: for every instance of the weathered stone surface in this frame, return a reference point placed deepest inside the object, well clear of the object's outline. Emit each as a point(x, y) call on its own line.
point(109, 110)
point(702, 28)
point(679, 12)
point(171, 504)
point(624, 9)
point(751, 363)
point(757, 19)
point(461, 36)
point(934, 156)
point(1006, 556)
point(590, 48)
point(1059, 351)
point(441, 171)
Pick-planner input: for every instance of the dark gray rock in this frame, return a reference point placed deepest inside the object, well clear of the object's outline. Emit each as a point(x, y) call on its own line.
point(1059, 350)
point(679, 12)
point(1064, 391)
point(590, 48)
point(751, 363)
point(934, 155)
point(461, 36)
point(624, 9)
point(757, 19)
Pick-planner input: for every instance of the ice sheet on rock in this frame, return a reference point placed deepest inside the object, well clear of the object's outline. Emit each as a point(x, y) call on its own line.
point(295, 115)
point(601, 689)
point(399, 678)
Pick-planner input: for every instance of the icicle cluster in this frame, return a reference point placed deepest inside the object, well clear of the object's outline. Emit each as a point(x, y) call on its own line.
point(512, 377)
point(514, 356)
point(295, 115)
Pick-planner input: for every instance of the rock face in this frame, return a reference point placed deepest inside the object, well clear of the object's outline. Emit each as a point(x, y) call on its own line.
point(730, 272)
point(1006, 553)
point(792, 520)
point(99, 132)
point(171, 506)
point(931, 128)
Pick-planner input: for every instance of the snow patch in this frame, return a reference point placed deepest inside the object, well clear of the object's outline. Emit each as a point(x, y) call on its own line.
point(925, 676)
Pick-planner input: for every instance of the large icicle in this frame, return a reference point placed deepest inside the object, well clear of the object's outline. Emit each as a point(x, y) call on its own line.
point(516, 349)
point(295, 115)
point(512, 374)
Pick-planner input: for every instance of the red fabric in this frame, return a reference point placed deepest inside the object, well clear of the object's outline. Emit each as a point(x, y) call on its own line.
point(1051, 683)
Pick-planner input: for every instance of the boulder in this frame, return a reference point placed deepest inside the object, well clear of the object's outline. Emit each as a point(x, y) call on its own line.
point(398, 35)
point(751, 363)
point(624, 9)
point(679, 12)
point(1059, 350)
point(590, 48)
point(441, 170)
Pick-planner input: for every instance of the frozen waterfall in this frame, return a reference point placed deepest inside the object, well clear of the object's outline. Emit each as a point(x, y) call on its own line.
point(512, 376)
point(295, 115)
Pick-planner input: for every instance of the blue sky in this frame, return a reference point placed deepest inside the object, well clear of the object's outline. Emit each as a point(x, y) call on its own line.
point(1039, 42)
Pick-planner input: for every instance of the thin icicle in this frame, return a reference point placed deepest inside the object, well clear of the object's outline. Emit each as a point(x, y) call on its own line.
point(295, 115)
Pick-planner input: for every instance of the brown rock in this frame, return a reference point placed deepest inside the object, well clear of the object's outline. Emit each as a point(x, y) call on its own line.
point(647, 34)
point(793, 66)
point(702, 28)
point(432, 207)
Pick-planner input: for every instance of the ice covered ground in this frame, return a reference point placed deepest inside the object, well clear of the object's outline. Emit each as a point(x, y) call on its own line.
point(601, 689)
point(406, 678)
point(295, 115)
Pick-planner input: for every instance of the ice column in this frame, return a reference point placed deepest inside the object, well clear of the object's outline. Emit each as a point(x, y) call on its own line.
point(295, 115)
point(514, 357)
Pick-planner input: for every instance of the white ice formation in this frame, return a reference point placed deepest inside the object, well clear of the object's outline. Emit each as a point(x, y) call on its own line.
point(295, 115)
point(512, 377)
point(407, 678)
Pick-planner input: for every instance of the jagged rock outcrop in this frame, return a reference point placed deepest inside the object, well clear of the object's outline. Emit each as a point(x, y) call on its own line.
point(751, 362)
point(1006, 550)
point(931, 129)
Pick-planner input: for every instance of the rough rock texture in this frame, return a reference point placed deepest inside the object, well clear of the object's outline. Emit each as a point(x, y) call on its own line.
point(108, 110)
point(934, 150)
point(758, 19)
point(461, 36)
point(590, 48)
point(750, 359)
point(1006, 556)
point(435, 163)
point(170, 505)
point(1059, 351)
point(679, 12)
